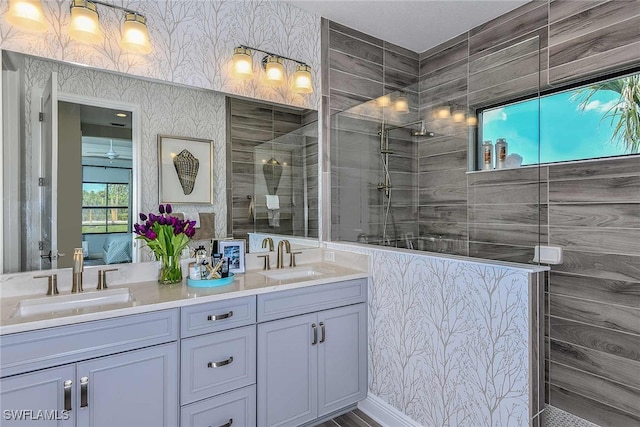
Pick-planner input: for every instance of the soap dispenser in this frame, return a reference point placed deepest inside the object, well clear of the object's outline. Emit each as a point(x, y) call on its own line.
point(78, 268)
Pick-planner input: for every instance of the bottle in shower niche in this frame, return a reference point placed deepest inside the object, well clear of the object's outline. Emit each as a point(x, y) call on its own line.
point(501, 153)
point(487, 156)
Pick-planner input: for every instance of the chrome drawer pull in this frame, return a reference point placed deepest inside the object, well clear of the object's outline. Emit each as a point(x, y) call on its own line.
point(67, 395)
point(213, 317)
point(84, 398)
point(227, 424)
point(219, 364)
point(315, 334)
point(324, 335)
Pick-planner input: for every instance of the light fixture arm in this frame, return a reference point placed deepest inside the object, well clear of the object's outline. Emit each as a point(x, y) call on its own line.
point(270, 54)
point(113, 6)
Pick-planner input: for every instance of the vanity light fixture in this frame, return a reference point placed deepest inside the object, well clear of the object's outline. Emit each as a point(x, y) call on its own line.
point(472, 121)
point(401, 105)
point(458, 114)
point(443, 112)
point(27, 15)
point(384, 101)
point(121, 114)
point(85, 26)
point(273, 66)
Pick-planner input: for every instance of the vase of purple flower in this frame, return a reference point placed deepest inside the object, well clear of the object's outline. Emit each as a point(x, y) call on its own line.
point(166, 236)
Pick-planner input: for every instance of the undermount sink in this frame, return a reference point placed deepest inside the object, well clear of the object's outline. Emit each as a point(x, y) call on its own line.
point(295, 273)
point(62, 303)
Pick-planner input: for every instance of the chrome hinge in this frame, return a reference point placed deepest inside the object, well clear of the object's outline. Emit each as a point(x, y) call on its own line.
point(40, 245)
point(41, 117)
point(42, 182)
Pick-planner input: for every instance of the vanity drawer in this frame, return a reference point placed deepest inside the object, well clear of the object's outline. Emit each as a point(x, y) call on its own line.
point(28, 351)
point(236, 408)
point(218, 316)
point(277, 305)
point(216, 363)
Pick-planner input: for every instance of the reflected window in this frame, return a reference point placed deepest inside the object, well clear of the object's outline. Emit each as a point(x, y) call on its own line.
point(105, 208)
point(598, 120)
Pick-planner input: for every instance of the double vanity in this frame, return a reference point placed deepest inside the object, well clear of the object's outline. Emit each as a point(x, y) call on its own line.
point(285, 347)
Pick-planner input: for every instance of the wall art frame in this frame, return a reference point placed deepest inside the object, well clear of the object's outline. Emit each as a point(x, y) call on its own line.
point(185, 174)
point(234, 250)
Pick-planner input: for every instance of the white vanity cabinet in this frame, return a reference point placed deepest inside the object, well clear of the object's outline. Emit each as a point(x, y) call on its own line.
point(312, 364)
point(92, 385)
point(218, 364)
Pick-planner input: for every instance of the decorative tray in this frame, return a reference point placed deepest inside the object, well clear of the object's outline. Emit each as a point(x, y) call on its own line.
point(210, 283)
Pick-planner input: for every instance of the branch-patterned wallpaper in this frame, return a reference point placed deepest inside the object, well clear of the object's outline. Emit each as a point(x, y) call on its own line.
point(448, 339)
point(192, 42)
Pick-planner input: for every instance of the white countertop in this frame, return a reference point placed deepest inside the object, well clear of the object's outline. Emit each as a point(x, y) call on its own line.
point(150, 296)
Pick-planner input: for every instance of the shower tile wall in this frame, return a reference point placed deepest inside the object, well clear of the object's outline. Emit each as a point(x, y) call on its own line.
point(362, 68)
point(253, 127)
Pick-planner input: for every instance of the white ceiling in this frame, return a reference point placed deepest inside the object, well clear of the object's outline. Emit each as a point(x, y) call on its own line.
point(416, 25)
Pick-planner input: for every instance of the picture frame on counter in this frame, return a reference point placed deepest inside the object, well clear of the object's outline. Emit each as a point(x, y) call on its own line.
point(234, 250)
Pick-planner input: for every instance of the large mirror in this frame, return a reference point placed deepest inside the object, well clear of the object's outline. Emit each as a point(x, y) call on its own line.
point(86, 189)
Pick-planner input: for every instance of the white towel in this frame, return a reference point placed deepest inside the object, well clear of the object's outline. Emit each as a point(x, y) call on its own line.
point(274, 217)
point(192, 217)
point(273, 202)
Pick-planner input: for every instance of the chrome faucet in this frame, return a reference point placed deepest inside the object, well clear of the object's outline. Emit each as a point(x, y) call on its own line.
point(78, 268)
point(283, 244)
point(267, 241)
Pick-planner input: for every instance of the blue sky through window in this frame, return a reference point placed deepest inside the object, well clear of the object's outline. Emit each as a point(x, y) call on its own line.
point(566, 132)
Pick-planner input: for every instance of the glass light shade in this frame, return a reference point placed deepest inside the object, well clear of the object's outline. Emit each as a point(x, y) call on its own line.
point(274, 72)
point(27, 15)
point(472, 121)
point(135, 36)
point(458, 115)
point(302, 79)
point(384, 101)
point(401, 105)
point(242, 64)
point(84, 26)
point(443, 112)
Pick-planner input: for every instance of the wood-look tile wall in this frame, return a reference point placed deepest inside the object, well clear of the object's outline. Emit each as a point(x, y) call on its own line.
point(591, 209)
point(362, 68)
point(253, 127)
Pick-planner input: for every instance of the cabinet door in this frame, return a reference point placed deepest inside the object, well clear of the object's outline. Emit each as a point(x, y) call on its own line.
point(138, 388)
point(236, 408)
point(342, 358)
point(287, 372)
point(39, 398)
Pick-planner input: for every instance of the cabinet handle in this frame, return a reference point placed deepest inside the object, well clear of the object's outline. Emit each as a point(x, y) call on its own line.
point(315, 334)
point(67, 395)
point(324, 335)
point(219, 364)
point(84, 385)
point(213, 317)
point(227, 424)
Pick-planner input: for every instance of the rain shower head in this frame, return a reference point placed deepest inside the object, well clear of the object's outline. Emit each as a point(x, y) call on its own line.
point(423, 130)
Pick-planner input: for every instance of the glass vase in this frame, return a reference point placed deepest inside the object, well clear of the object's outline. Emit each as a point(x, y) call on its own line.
point(170, 270)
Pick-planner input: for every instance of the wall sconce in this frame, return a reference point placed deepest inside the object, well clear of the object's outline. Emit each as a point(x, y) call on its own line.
point(472, 121)
point(458, 114)
point(443, 112)
point(84, 25)
point(401, 105)
point(27, 15)
point(273, 65)
point(384, 101)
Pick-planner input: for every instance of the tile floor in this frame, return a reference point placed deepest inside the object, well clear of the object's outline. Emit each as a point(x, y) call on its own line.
point(355, 418)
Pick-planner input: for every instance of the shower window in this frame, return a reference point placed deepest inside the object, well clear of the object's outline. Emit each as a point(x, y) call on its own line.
point(597, 120)
point(105, 208)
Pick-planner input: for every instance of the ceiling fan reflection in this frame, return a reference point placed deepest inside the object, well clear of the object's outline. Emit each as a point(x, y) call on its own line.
point(111, 154)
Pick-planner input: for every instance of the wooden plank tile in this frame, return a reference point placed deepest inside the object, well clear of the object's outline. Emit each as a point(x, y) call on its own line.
point(250, 109)
point(522, 254)
point(596, 18)
point(612, 342)
point(615, 317)
point(523, 86)
point(613, 394)
point(399, 61)
point(490, 59)
point(399, 79)
point(456, 231)
point(442, 213)
point(623, 241)
point(623, 34)
point(441, 162)
point(507, 234)
point(350, 83)
point(561, 9)
point(521, 213)
point(342, 101)
point(444, 92)
point(520, 14)
point(449, 177)
point(366, 418)
point(249, 134)
point(441, 144)
point(605, 266)
point(355, 33)
point(355, 47)
point(591, 410)
point(402, 51)
point(442, 195)
point(622, 189)
point(618, 369)
point(622, 215)
point(596, 289)
point(617, 166)
point(595, 65)
point(448, 54)
point(354, 65)
point(511, 70)
point(454, 71)
point(508, 176)
point(529, 193)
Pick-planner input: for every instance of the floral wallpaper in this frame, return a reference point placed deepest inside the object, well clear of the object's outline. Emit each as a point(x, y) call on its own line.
point(192, 42)
point(448, 339)
point(166, 109)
